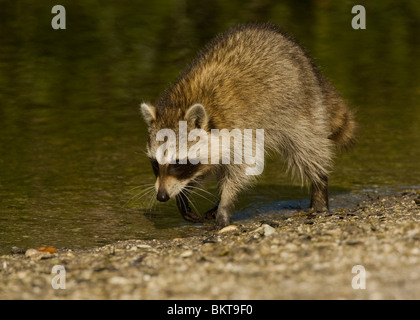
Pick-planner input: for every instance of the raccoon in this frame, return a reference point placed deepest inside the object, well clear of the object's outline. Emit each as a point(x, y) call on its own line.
point(252, 76)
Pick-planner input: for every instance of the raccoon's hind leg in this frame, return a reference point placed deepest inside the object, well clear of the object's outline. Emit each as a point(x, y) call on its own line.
point(310, 159)
point(319, 197)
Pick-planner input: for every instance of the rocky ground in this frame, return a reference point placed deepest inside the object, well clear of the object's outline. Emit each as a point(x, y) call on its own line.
point(303, 256)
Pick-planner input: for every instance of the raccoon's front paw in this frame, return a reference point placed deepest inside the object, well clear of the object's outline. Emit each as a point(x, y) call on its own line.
point(319, 206)
point(211, 214)
point(185, 210)
point(222, 218)
point(191, 216)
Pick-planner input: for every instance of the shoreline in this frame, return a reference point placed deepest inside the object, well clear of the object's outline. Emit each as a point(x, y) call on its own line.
point(304, 256)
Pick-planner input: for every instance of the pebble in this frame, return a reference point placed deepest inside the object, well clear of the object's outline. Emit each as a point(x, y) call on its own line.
point(208, 247)
point(143, 246)
point(186, 254)
point(265, 230)
point(268, 230)
point(353, 242)
point(31, 252)
point(118, 280)
point(228, 229)
point(413, 233)
point(37, 255)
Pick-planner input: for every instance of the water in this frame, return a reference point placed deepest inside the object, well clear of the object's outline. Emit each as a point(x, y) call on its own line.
point(72, 143)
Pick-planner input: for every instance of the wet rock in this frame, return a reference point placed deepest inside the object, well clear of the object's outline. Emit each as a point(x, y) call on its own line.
point(17, 250)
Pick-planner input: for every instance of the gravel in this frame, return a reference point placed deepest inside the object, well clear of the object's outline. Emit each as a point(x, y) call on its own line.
point(304, 256)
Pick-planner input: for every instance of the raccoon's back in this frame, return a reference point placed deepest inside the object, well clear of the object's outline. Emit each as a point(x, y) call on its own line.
point(245, 74)
point(256, 76)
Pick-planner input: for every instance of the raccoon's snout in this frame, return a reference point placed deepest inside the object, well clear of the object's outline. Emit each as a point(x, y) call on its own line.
point(162, 195)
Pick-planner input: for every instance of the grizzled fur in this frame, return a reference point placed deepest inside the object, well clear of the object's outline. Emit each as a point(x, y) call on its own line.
point(255, 77)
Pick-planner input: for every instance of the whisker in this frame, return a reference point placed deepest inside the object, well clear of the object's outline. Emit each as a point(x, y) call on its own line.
point(145, 190)
point(152, 201)
point(200, 195)
point(191, 187)
point(141, 186)
point(140, 195)
point(198, 183)
point(151, 204)
point(183, 202)
point(192, 203)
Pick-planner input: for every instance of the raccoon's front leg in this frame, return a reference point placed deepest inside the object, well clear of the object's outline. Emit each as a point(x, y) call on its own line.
point(226, 204)
point(224, 213)
point(211, 213)
point(234, 179)
point(185, 210)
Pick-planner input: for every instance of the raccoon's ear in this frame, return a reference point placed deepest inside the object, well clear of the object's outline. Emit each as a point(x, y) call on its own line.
point(148, 113)
point(197, 116)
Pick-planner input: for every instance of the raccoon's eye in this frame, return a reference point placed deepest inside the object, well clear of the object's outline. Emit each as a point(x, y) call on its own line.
point(182, 171)
point(176, 166)
point(155, 166)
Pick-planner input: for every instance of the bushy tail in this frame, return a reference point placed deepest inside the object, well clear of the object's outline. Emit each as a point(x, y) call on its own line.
point(342, 122)
point(343, 128)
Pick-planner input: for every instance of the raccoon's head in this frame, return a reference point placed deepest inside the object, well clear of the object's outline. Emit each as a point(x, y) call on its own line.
point(168, 148)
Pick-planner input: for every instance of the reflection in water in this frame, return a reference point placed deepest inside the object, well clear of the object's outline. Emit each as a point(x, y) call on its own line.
point(72, 142)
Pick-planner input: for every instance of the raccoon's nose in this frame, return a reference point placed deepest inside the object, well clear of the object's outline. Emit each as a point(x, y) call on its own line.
point(162, 195)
